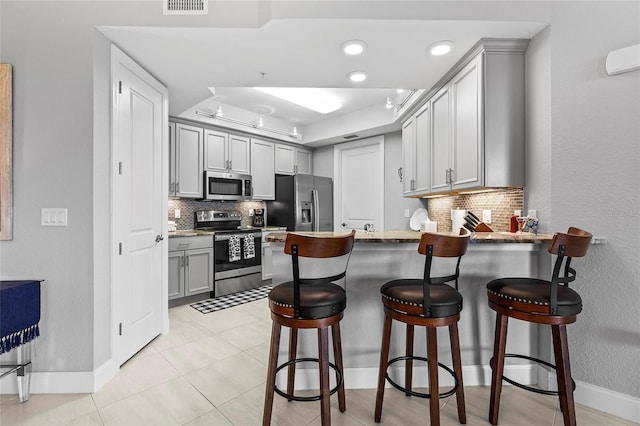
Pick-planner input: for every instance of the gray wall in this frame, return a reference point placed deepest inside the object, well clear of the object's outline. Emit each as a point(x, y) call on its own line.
point(537, 193)
point(591, 145)
point(595, 173)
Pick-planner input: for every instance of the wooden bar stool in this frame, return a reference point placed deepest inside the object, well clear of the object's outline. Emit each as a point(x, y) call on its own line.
point(312, 300)
point(541, 302)
point(429, 302)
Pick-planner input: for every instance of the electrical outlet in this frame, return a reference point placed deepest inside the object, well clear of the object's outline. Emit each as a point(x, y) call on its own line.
point(598, 240)
point(176, 213)
point(406, 213)
point(486, 216)
point(533, 214)
point(251, 212)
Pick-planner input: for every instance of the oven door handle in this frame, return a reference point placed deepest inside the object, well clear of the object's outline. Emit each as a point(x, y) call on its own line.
point(227, 236)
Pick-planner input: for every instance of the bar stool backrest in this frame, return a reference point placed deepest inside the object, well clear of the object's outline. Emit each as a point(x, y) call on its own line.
point(445, 245)
point(440, 245)
point(574, 243)
point(323, 260)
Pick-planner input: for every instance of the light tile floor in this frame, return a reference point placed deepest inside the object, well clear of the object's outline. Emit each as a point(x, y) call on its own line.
point(210, 370)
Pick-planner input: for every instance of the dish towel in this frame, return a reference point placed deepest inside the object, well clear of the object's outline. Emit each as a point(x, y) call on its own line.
point(249, 246)
point(234, 248)
point(19, 313)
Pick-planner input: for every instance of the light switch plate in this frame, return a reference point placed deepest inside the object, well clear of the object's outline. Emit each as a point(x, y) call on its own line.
point(486, 216)
point(406, 213)
point(53, 217)
point(177, 213)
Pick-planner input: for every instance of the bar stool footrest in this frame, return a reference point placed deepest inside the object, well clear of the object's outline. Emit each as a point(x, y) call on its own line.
point(420, 394)
point(307, 398)
point(529, 388)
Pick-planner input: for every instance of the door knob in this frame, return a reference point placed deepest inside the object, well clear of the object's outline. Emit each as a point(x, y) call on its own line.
point(159, 238)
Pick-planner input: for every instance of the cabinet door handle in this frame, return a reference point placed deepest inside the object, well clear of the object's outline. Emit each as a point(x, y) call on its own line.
point(186, 261)
point(229, 164)
point(177, 187)
point(172, 186)
point(451, 176)
point(295, 169)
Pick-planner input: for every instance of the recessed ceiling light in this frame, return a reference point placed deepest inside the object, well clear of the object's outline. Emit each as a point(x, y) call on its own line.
point(354, 47)
point(309, 97)
point(357, 76)
point(441, 48)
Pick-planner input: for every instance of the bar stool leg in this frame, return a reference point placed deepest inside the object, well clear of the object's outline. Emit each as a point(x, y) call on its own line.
point(271, 374)
point(432, 363)
point(337, 355)
point(457, 368)
point(384, 359)
point(563, 371)
point(408, 378)
point(323, 356)
point(497, 365)
point(291, 369)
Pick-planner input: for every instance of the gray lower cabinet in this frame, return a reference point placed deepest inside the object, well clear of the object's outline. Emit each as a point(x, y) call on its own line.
point(190, 266)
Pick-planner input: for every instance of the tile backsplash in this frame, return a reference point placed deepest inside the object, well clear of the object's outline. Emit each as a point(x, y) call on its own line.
point(501, 203)
point(189, 207)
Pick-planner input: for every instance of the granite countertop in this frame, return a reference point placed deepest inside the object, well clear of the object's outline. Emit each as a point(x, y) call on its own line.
point(196, 233)
point(407, 236)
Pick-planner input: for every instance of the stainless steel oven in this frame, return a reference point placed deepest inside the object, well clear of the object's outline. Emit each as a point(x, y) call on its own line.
point(237, 252)
point(226, 186)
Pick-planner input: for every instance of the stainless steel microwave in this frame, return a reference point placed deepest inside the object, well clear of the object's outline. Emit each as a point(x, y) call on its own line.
point(226, 186)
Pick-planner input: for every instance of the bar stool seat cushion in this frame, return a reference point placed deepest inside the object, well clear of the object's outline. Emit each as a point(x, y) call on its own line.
point(316, 300)
point(406, 295)
point(533, 295)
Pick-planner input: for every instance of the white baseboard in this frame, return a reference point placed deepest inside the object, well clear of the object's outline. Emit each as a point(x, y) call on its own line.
point(596, 397)
point(64, 381)
point(601, 399)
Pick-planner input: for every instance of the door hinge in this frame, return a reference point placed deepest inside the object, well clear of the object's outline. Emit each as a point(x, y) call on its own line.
point(120, 87)
point(120, 248)
point(120, 167)
point(120, 329)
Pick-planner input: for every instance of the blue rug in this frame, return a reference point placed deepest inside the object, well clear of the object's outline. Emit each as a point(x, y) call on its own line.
point(235, 299)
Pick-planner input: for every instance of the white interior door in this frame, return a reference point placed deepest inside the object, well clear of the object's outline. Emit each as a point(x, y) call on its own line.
point(139, 206)
point(359, 187)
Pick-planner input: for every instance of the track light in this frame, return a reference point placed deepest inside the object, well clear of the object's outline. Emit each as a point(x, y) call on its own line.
point(259, 125)
point(388, 104)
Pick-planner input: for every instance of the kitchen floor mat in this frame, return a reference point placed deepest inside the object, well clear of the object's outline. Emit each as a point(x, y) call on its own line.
point(224, 302)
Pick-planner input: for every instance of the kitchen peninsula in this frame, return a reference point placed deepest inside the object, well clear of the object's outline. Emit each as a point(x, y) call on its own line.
point(378, 257)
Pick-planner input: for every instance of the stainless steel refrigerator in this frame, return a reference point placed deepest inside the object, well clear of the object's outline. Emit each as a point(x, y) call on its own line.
point(303, 203)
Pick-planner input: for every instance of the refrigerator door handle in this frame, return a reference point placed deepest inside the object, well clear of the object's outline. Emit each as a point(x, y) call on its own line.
point(316, 210)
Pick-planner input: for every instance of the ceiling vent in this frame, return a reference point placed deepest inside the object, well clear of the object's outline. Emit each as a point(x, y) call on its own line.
point(350, 136)
point(186, 7)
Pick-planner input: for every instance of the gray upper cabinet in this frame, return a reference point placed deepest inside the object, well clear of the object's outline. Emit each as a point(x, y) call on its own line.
point(263, 169)
point(466, 142)
point(416, 146)
point(440, 141)
point(475, 135)
point(225, 152)
point(291, 160)
point(186, 161)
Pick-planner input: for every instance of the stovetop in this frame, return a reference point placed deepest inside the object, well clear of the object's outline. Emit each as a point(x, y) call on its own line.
point(221, 222)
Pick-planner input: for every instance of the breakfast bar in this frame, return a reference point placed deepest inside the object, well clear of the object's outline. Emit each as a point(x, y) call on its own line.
point(378, 257)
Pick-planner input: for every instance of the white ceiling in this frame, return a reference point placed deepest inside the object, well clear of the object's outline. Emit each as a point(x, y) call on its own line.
point(302, 53)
